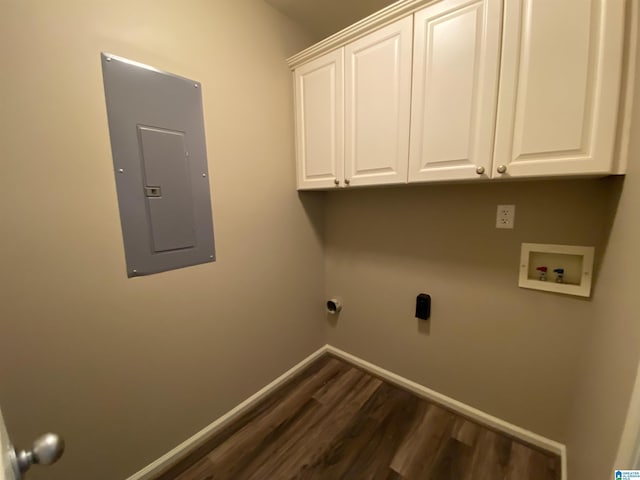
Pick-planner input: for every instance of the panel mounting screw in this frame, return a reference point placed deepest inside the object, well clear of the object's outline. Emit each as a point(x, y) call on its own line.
point(195, 85)
point(121, 170)
point(210, 256)
point(204, 174)
point(108, 59)
point(135, 271)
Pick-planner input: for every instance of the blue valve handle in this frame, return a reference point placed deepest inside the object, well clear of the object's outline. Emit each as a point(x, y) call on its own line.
point(559, 270)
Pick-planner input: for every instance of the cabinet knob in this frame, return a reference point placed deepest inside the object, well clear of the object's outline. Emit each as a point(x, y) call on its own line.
point(336, 181)
point(347, 181)
point(502, 169)
point(480, 170)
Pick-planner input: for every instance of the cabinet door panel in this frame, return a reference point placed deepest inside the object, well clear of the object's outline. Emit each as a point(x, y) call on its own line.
point(560, 87)
point(377, 93)
point(455, 84)
point(319, 89)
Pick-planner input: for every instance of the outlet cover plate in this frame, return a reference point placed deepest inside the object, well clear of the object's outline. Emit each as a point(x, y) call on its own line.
point(505, 216)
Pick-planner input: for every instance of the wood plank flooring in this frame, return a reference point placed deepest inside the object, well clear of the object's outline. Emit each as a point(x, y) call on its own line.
point(335, 421)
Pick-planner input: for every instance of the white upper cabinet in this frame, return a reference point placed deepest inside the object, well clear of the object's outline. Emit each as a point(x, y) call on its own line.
point(456, 57)
point(378, 102)
point(559, 87)
point(451, 90)
point(319, 87)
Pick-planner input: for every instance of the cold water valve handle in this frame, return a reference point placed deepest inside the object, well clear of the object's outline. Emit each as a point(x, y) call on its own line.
point(543, 273)
point(559, 275)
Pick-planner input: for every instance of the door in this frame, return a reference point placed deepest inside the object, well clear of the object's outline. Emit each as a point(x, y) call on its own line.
point(456, 59)
point(377, 105)
point(559, 87)
point(319, 87)
point(7, 457)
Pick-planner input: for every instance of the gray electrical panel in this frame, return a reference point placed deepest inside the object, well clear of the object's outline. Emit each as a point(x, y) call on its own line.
point(160, 160)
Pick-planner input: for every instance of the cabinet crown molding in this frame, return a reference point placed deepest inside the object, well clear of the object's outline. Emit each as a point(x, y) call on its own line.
point(374, 21)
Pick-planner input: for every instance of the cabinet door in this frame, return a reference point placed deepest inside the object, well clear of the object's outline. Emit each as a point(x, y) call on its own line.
point(319, 89)
point(377, 94)
point(559, 87)
point(456, 57)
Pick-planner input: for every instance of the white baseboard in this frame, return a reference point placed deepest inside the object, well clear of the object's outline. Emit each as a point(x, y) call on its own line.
point(153, 469)
point(462, 408)
point(481, 417)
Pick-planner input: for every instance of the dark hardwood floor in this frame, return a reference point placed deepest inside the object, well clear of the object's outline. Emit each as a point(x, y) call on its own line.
point(334, 421)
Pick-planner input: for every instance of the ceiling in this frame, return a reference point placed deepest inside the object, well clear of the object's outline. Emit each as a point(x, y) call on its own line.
point(322, 18)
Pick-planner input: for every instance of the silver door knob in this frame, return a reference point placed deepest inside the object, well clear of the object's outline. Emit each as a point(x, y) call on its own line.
point(347, 181)
point(336, 181)
point(47, 449)
point(480, 170)
point(502, 169)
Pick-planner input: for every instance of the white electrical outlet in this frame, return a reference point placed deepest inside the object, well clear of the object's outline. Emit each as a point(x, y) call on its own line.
point(506, 216)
